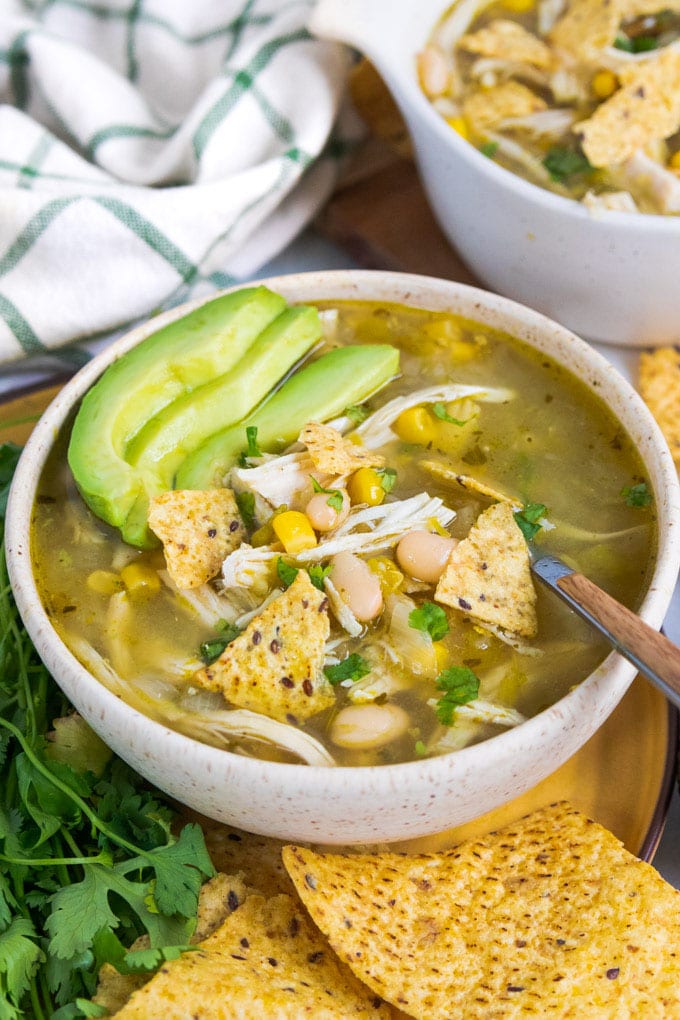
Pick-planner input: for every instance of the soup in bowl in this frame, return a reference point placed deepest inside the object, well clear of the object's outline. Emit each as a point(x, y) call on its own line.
point(317, 620)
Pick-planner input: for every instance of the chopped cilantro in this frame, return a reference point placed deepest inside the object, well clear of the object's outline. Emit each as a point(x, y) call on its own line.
point(528, 517)
point(488, 149)
point(356, 413)
point(420, 749)
point(318, 574)
point(431, 619)
point(286, 571)
point(562, 163)
point(352, 668)
point(388, 478)
point(439, 410)
point(334, 495)
point(245, 502)
point(637, 495)
point(636, 44)
point(460, 685)
point(253, 450)
point(211, 650)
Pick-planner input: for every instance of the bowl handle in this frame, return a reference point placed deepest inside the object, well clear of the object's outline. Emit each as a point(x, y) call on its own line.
point(363, 24)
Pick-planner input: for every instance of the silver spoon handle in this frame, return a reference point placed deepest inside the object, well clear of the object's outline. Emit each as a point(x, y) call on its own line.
point(654, 655)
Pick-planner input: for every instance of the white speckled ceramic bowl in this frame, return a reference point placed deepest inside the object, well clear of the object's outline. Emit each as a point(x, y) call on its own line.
point(612, 277)
point(351, 805)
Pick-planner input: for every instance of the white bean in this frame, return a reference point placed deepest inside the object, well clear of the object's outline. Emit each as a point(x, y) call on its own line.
point(323, 517)
point(361, 727)
point(424, 555)
point(357, 586)
point(433, 69)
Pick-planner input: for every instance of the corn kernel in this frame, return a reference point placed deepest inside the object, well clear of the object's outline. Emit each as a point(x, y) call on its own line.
point(364, 487)
point(459, 125)
point(604, 84)
point(390, 577)
point(416, 425)
point(439, 529)
point(441, 654)
point(674, 161)
point(294, 530)
point(518, 6)
point(104, 582)
point(140, 579)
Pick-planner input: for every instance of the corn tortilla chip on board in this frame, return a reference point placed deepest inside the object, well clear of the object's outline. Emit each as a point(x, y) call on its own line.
point(265, 960)
point(508, 40)
point(644, 109)
point(487, 575)
point(550, 917)
point(488, 107)
point(275, 665)
point(198, 529)
point(333, 454)
point(659, 383)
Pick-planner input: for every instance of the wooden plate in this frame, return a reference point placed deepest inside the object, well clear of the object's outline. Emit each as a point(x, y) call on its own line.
point(623, 776)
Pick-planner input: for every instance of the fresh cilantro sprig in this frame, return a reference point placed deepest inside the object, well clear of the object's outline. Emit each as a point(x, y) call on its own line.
point(245, 502)
point(439, 411)
point(637, 495)
point(388, 478)
point(356, 413)
point(460, 685)
point(353, 668)
point(252, 450)
point(211, 650)
point(528, 519)
point(431, 619)
point(318, 574)
point(287, 573)
point(334, 500)
point(562, 163)
point(88, 860)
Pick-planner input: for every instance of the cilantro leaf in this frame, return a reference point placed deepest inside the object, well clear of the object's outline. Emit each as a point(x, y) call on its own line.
point(528, 517)
point(431, 619)
point(318, 574)
point(562, 163)
point(253, 449)
point(351, 668)
point(460, 685)
point(489, 149)
point(20, 956)
point(286, 571)
point(439, 411)
point(245, 502)
point(211, 650)
point(388, 478)
point(334, 500)
point(356, 413)
point(420, 749)
point(637, 495)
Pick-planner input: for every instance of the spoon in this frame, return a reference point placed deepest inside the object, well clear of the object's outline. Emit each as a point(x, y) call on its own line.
point(652, 653)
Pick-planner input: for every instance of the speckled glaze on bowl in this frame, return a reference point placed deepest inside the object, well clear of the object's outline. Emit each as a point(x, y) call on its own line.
point(357, 805)
point(611, 277)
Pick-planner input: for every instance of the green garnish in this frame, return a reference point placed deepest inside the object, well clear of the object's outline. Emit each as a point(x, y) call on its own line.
point(356, 413)
point(334, 495)
point(352, 668)
point(528, 517)
point(420, 748)
point(637, 44)
point(388, 478)
point(88, 858)
point(489, 149)
point(439, 411)
point(460, 685)
point(245, 501)
point(562, 163)
point(287, 573)
point(430, 618)
point(318, 574)
point(252, 450)
point(637, 495)
point(211, 650)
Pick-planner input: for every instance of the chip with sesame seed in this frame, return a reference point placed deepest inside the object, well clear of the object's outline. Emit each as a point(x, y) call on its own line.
point(548, 917)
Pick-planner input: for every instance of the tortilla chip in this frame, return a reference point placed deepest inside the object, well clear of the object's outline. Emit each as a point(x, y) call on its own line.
point(487, 575)
point(587, 27)
point(256, 858)
point(333, 454)
point(217, 899)
point(266, 960)
point(508, 40)
point(660, 389)
point(646, 108)
point(447, 474)
point(275, 665)
point(550, 917)
point(198, 530)
point(486, 108)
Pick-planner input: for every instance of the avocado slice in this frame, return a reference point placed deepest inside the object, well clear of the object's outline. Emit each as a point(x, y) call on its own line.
point(168, 363)
point(318, 391)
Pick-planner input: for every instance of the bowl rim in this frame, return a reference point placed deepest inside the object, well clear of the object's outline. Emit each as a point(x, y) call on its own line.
point(611, 678)
point(620, 221)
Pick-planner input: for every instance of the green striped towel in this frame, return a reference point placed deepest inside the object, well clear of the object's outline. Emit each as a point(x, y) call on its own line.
point(152, 151)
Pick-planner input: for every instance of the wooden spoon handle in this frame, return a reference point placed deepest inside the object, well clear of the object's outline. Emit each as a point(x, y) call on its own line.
point(653, 654)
